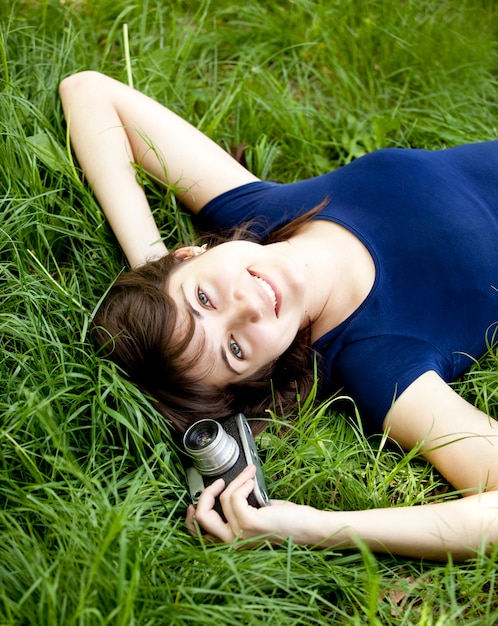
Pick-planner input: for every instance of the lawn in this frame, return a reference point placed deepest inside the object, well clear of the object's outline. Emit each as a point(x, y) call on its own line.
point(92, 494)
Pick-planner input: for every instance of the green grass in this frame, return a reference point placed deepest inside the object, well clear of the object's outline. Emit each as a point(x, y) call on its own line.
point(92, 496)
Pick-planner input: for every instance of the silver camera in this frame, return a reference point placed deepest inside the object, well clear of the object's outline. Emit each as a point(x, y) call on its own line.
point(222, 450)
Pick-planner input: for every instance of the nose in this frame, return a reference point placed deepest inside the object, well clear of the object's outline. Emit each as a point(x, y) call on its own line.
point(245, 308)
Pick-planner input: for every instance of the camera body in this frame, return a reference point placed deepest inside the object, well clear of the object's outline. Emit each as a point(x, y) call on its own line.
point(222, 450)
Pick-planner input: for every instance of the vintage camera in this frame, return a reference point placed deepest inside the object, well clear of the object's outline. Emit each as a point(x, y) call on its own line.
point(222, 450)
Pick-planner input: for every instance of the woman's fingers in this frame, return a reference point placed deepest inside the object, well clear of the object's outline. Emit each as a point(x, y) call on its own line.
point(194, 528)
point(243, 482)
point(235, 495)
point(190, 520)
point(206, 517)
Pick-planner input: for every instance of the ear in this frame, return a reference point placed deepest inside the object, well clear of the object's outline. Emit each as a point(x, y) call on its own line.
point(187, 252)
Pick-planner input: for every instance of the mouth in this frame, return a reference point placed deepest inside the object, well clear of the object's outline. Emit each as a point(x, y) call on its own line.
point(269, 290)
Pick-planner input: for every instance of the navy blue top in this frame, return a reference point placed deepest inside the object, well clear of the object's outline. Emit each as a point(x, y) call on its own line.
point(430, 222)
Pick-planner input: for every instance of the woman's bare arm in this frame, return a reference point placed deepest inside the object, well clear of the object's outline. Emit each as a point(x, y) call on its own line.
point(111, 126)
point(461, 441)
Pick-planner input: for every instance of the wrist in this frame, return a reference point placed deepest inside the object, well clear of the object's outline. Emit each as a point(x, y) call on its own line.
point(329, 529)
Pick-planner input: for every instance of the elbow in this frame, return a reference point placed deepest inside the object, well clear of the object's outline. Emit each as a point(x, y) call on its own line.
point(76, 85)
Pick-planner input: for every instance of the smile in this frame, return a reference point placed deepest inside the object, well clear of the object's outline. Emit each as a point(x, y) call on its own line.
point(268, 290)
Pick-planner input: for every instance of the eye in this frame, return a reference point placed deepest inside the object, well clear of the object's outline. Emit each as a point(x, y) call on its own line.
point(236, 350)
point(203, 299)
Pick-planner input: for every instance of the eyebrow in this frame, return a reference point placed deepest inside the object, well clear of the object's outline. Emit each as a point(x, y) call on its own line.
point(198, 315)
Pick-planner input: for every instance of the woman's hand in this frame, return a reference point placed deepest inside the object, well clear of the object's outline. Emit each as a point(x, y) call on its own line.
point(273, 523)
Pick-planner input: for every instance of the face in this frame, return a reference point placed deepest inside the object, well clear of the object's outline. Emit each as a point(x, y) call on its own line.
point(247, 303)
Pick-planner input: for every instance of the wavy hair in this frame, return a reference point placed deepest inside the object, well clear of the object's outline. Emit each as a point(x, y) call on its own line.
point(135, 327)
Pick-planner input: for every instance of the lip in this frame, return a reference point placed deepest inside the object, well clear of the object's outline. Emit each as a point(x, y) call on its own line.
point(276, 291)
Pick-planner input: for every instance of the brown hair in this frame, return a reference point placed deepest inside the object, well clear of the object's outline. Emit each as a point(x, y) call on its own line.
point(134, 327)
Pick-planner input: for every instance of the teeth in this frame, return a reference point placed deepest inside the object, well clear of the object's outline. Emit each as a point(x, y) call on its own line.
point(268, 290)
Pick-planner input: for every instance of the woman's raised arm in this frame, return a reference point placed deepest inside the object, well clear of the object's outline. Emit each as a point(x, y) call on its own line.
point(111, 126)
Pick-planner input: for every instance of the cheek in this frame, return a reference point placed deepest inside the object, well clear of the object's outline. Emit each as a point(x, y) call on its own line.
point(273, 342)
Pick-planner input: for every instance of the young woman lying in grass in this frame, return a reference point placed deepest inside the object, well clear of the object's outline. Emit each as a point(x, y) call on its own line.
point(385, 269)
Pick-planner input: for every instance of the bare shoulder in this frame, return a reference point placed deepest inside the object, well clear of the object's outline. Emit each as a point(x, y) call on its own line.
point(457, 438)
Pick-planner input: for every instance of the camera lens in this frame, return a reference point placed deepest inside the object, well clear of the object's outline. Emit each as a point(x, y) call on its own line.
point(202, 434)
point(212, 449)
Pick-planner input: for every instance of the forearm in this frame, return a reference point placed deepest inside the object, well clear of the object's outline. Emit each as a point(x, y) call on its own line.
point(112, 125)
point(103, 149)
point(429, 531)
